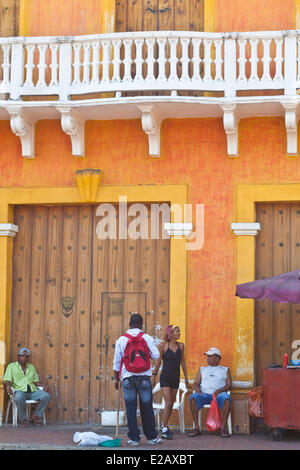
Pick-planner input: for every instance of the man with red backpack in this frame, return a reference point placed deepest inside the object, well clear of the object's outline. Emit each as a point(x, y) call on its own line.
point(132, 367)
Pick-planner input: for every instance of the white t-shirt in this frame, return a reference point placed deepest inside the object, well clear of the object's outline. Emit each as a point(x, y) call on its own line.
point(213, 378)
point(120, 348)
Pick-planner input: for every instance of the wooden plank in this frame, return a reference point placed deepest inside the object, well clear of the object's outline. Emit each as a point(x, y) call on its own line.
point(264, 309)
point(9, 17)
point(52, 309)
point(150, 15)
point(165, 15)
point(181, 15)
point(98, 375)
point(37, 285)
point(67, 315)
point(134, 15)
point(21, 280)
point(121, 16)
point(282, 260)
point(82, 312)
point(196, 15)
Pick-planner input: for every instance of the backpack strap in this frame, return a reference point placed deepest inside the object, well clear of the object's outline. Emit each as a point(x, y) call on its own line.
point(122, 361)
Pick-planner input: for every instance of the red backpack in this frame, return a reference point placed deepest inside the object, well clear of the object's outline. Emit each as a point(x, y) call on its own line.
point(137, 355)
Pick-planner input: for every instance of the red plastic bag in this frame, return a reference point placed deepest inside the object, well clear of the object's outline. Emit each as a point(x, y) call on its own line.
point(256, 402)
point(214, 418)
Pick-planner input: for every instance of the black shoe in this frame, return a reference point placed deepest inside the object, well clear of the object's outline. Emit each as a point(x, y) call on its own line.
point(166, 434)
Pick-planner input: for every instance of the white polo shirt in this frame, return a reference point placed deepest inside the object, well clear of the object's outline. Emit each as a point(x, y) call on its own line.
point(120, 348)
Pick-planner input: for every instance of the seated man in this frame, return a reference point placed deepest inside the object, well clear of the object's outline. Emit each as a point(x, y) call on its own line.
point(211, 379)
point(21, 382)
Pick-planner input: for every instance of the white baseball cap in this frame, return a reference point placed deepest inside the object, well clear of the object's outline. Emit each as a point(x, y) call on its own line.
point(213, 351)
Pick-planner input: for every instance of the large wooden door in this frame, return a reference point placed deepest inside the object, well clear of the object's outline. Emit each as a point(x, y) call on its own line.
point(73, 295)
point(277, 325)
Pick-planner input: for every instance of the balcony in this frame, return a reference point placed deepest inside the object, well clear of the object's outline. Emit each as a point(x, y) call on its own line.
point(152, 76)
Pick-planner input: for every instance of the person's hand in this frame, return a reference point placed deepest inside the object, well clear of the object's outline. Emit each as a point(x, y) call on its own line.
point(218, 391)
point(9, 391)
point(154, 380)
point(117, 384)
point(187, 384)
point(45, 388)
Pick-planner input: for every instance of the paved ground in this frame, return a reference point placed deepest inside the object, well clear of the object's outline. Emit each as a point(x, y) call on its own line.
point(60, 437)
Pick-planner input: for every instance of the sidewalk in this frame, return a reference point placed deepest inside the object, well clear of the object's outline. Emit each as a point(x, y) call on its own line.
point(60, 437)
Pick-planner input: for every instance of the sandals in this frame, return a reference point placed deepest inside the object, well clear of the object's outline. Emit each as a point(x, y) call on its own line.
point(194, 433)
point(36, 421)
point(224, 433)
point(24, 424)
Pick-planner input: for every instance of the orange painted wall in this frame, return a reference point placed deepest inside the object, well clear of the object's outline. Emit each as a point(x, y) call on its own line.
point(67, 17)
point(193, 151)
point(254, 15)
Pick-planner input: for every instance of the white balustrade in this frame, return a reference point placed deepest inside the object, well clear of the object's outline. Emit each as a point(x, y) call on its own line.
point(150, 61)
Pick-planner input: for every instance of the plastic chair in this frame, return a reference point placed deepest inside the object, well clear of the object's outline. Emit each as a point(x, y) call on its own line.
point(178, 405)
point(228, 421)
point(15, 410)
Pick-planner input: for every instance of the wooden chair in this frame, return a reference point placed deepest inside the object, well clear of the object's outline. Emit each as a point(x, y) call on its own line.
point(12, 403)
point(178, 405)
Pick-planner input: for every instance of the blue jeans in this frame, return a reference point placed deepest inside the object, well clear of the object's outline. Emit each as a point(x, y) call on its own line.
point(133, 387)
point(42, 397)
point(202, 399)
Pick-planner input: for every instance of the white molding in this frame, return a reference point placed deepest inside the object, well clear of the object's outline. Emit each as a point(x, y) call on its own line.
point(242, 384)
point(23, 125)
point(73, 125)
point(151, 122)
point(178, 229)
point(230, 122)
point(8, 230)
point(291, 125)
point(246, 228)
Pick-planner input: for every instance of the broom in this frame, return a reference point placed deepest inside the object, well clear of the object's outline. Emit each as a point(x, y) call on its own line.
point(117, 441)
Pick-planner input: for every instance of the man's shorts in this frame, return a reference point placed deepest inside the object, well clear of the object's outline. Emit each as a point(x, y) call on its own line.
point(202, 399)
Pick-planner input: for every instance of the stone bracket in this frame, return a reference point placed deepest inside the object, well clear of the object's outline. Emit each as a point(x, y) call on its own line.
point(242, 228)
point(73, 125)
point(230, 122)
point(178, 228)
point(8, 230)
point(291, 125)
point(151, 122)
point(23, 125)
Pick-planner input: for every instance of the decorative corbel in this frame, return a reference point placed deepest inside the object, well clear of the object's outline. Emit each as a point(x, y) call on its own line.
point(151, 121)
point(73, 125)
point(230, 122)
point(245, 228)
point(8, 230)
point(291, 126)
point(22, 124)
point(180, 229)
point(88, 181)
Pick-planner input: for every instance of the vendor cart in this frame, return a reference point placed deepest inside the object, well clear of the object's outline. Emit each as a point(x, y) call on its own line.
point(281, 403)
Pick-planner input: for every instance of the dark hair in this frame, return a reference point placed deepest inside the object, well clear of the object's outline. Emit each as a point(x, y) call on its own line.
point(136, 321)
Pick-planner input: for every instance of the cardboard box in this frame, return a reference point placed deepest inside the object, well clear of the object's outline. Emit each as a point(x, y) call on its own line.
point(241, 417)
point(109, 418)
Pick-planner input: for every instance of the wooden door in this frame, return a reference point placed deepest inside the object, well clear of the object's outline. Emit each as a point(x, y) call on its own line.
point(73, 295)
point(277, 325)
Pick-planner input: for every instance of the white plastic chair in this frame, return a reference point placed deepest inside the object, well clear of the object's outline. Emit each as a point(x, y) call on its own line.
point(15, 410)
point(178, 405)
point(228, 421)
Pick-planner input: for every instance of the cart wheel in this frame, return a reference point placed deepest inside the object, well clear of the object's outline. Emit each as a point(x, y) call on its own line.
point(276, 434)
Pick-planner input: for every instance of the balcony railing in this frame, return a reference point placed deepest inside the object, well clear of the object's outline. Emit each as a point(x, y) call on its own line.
point(165, 61)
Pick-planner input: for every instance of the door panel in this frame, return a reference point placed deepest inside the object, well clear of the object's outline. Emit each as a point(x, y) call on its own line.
point(73, 295)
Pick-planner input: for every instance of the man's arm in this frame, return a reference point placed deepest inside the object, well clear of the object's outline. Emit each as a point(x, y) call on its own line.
point(228, 386)
point(9, 389)
point(197, 383)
